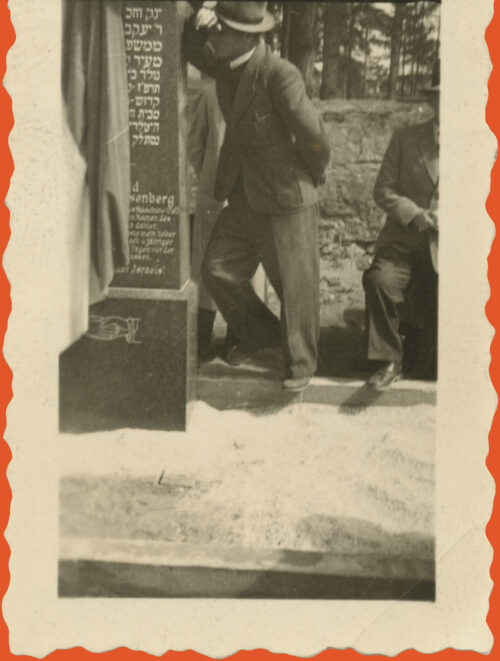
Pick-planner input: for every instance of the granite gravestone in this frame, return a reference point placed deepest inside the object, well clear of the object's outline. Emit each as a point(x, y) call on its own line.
point(158, 231)
point(135, 367)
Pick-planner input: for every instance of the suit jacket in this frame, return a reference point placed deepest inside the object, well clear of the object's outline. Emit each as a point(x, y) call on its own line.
point(407, 184)
point(274, 134)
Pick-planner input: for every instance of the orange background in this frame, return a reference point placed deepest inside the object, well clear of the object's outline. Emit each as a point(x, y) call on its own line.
point(7, 37)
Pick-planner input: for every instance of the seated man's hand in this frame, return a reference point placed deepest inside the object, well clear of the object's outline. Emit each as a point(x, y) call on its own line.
point(424, 221)
point(205, 19)
point(434, 219)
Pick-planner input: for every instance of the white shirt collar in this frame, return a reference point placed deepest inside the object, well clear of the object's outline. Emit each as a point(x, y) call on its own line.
point(241, 59)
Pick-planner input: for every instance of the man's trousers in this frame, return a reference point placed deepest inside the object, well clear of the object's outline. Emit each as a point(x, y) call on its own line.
point(287, 247)
point(386, 284)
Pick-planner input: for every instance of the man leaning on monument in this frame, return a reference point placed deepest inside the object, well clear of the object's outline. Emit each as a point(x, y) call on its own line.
point(274, 156)
point(407, 190)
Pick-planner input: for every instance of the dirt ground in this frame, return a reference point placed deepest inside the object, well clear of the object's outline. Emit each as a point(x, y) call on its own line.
point(309, 477)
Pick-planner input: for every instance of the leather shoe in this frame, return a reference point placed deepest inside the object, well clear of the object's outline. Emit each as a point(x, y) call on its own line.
point(243, 352)
point(296, 385)
point(238, 354)
point(206, 354)
point(385, 376)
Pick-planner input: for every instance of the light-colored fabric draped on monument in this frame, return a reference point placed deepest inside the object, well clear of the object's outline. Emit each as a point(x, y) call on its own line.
point(95, 91)
point(206, 135)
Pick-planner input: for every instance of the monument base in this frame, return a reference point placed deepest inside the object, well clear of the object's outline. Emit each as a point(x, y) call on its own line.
point(136, 365)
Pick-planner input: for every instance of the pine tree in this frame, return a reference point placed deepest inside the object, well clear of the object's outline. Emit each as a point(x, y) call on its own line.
point(303, 38)
point(334, 26)
point(396, 39)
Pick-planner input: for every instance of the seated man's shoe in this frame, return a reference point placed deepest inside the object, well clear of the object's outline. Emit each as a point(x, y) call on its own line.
point(385, 376)
point(297, 384)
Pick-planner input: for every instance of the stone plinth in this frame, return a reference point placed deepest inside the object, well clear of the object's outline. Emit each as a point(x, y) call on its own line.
point(135, 365)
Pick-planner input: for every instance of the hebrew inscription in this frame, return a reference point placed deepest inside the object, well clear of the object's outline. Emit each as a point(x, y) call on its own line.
point(144, 48)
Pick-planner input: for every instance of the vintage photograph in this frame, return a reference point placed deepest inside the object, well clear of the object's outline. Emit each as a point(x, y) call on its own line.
point(247, 398)
point(250, 398)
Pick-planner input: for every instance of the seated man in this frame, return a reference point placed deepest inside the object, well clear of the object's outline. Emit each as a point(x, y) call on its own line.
point(274, 156)
point(407, 190)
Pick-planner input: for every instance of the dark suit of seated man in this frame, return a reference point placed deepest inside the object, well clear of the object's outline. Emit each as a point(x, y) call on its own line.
point(407, 190)
point(274, 156)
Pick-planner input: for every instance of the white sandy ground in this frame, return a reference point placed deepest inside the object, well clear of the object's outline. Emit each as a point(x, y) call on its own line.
point(307, 477)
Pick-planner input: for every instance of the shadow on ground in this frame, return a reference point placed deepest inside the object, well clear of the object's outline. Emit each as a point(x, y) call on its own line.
point(342, 348)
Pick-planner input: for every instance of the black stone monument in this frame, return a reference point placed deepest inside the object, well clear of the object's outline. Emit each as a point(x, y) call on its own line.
point(136, 365)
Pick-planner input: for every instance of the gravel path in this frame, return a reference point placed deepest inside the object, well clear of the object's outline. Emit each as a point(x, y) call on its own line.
point(309, 477)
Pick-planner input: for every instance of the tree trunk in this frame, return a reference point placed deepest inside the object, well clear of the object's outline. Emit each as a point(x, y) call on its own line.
point(414, 49)
point(365, 60)
point(285, 30)
point(348, 52)
point(303, 39)
point(271, 36)
point(420, 46)
point(334, 19)
point(396, 39)
point(403, 57)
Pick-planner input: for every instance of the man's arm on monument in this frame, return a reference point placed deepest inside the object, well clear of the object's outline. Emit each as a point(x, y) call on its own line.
point(289, 98)
point(386, 192)
point(194, 41)
point(196, 5)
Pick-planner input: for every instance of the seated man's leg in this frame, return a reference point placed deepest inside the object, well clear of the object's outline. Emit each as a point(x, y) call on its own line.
point(384, 283)
point(427, 282)
point(229, 264)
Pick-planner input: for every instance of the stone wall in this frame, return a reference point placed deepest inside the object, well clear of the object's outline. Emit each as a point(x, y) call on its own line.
point(359, 132)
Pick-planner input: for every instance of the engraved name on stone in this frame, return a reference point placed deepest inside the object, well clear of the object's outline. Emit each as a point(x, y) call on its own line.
point(152, 230)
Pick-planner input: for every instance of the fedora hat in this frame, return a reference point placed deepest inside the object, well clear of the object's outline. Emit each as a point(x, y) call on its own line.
point(245, 16)
point(435, 79)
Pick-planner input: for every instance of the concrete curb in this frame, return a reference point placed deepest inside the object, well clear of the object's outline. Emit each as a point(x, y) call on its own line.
point(239, 389)
point(144, 568)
